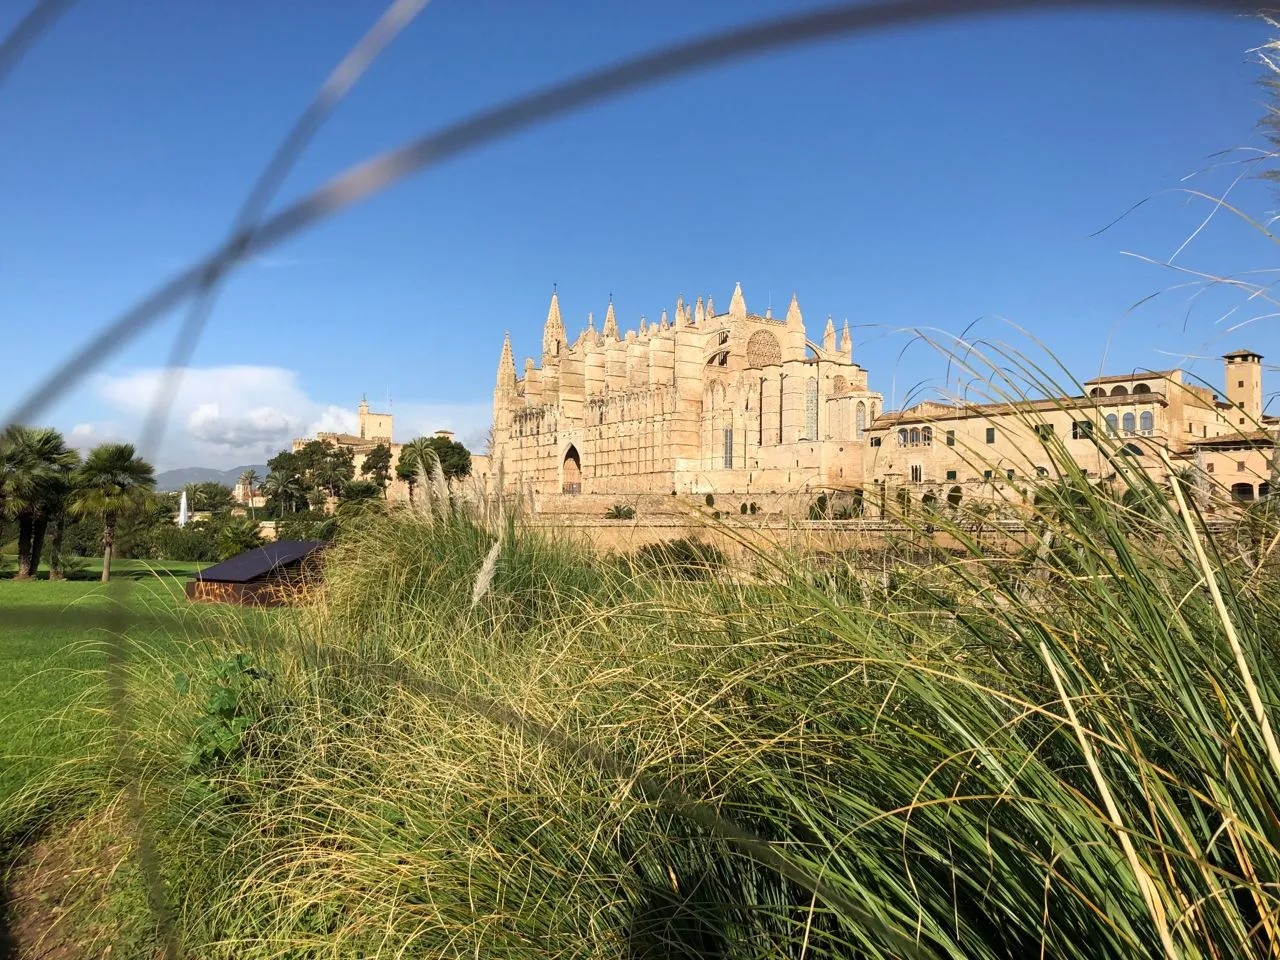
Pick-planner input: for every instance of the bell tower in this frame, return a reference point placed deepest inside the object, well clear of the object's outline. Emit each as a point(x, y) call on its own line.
point(1243, 372)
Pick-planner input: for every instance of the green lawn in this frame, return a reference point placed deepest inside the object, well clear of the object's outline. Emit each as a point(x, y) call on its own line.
point(52, 656)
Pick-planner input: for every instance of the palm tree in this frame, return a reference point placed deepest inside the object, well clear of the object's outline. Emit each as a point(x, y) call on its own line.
point(284, 488)
point(32, 462)
point(247, 480)
point(238, 536)
point(416, 458)
point(57, 500)
point(330, 476)
point(111, 483)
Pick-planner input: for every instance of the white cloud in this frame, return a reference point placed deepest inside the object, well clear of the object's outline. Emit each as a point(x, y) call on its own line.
point(229, 416)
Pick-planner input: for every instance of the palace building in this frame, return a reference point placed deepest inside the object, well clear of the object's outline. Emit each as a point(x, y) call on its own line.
point(700, 402)
point(739, 403)
point(956, 450)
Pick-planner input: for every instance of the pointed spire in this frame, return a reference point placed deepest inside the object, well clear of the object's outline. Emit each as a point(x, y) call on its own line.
point(829, 336)
point(610, 322)
point(590, 335)
point(846, 341)
point(662, 324)
point(506, 365)
point(738, 303)
point(643, 327)
point(768, 312)
point(711, 310)
point(793, 313)
point(553, 332)
point(698, 313)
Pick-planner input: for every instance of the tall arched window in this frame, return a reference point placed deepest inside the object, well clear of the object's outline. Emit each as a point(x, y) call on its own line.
point(1113, 424)
point(1128, 423)
point(926, 436)
point(902, 437)
point(1146, 422)
point(915, 436)
point(860, 420)
point(811, 409)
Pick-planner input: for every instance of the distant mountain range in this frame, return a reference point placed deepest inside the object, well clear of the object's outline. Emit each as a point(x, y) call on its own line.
point(172, 480)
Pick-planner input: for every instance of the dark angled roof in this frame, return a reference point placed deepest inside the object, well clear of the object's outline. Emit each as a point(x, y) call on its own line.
point(1241, 353)
point(1136, 375)
point(1250, 440)
point(260, 561)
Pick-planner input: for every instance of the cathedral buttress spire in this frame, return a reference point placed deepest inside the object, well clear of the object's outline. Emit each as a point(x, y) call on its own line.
point(829, 336)
point(793, 313)
point(698, 313)
point(553, 332)
point(610, 323)
point(846, 341)
point(506, 366)
point(662, 324)
point(738, 303)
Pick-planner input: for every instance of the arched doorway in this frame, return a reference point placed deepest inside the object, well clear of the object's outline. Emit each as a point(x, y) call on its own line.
point(1242, 492)
point(572, 471)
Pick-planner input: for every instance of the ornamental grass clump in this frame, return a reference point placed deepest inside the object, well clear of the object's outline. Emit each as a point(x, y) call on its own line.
point(1052, 738)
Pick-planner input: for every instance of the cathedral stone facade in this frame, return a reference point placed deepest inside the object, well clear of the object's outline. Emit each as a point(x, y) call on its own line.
point(702, 402)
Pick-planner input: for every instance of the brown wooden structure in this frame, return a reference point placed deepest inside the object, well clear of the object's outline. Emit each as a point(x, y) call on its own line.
point(268, 576)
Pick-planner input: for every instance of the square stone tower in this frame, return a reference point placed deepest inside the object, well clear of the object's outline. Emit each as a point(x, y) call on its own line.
point(1243, 372)
point(374, 426)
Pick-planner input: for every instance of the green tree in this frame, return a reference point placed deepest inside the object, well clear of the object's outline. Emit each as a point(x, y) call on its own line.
point(249, 480)
point(455, 459)
point(416, 457)
point(377, 464)
point(59, 502)
point(333, 472)
point(407, 470)
point(284, 491)
point(236, 536)
point(33, 466)
point(112, 482)
point(356, 490)
point(217, 498)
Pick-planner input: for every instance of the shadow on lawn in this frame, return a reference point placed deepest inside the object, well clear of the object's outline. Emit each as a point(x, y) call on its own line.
point(130, 573)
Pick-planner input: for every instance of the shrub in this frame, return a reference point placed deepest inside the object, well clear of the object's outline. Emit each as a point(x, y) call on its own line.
point(620, 511)
point(685, 559)
point(196, 542)
point(237, 536)
point(308, 525)
point(820, 508)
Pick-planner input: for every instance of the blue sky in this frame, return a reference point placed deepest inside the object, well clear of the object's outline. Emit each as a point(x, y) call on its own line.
point(921, 178)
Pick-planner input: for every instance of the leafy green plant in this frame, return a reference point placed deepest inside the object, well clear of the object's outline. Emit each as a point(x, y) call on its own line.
point(687, 558)
point(237, 536)
point(620, 511)
point(228, 712)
